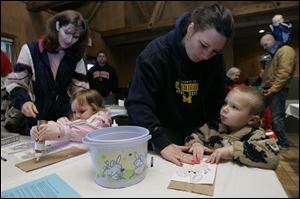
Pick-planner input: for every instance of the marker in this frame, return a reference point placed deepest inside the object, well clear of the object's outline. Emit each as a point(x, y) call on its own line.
point(152, 159)
point(3, 158)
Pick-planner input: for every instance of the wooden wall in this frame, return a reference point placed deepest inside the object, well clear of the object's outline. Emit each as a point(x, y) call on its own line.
point(247, 54)
point(243, 51)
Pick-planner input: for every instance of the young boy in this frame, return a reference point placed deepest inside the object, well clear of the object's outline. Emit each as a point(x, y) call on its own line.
point(238, 135)
point(281, 29)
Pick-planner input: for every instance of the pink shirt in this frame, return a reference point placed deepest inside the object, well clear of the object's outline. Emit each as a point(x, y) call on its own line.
point(77, 129)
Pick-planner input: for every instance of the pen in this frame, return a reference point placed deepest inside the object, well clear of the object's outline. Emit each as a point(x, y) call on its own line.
point(151, 164)
point(3, 158)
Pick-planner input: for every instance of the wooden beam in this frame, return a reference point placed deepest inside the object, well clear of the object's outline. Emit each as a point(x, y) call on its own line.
point(159, 6)
point(36, 6)
point(93, 12)
point(263, 7)
point(143, 10)
point(167, 23)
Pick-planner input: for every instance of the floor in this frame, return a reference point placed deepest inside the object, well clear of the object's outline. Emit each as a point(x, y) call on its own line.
point(288, 169)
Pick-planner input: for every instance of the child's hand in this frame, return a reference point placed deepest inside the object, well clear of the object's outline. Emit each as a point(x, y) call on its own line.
point(46, 132)
point(219, 153)
point(198, 150)
point(34, 133)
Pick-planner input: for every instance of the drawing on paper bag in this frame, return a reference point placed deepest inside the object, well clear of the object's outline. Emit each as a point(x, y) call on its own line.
point(203, 173)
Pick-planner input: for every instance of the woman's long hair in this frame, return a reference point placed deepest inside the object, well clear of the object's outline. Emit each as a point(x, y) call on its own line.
point(50, 39)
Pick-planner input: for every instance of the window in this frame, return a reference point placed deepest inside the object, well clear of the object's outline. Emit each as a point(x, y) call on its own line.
point(6, 47)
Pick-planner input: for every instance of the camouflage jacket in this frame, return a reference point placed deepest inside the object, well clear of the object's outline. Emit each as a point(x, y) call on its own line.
point(252, 147)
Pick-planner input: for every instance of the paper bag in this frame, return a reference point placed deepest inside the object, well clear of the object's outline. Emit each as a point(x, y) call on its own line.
point(30, 165)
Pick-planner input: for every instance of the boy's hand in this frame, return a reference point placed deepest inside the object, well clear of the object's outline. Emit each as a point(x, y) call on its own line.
point(198, 151)
point(219, 153)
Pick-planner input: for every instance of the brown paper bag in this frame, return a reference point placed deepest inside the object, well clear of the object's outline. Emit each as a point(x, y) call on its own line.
point(206, 189)
point(30, 165)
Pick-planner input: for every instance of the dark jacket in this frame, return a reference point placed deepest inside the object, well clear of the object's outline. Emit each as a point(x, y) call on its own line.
point(169, 93)
point(103, 79)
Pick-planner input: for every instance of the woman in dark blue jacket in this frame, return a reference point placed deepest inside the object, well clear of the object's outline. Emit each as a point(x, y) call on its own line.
point(179, 82)
point(49, 70)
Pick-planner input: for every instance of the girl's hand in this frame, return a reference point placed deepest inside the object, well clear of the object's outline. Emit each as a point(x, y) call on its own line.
point(47, 132)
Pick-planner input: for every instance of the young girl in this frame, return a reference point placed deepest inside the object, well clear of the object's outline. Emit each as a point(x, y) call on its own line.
point(89, 114)
point(237, 136)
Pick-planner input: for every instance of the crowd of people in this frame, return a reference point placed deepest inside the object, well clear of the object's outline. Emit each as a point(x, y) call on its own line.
point(180, 90)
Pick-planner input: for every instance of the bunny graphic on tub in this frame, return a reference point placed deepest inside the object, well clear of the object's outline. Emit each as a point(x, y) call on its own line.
point(114, 169)
point(139, 163)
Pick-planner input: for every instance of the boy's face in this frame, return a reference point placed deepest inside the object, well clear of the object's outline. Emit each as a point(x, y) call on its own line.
point(81, 112)
point(235, 113)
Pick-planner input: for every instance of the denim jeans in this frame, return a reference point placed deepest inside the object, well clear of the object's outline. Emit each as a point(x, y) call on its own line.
point(277, 105)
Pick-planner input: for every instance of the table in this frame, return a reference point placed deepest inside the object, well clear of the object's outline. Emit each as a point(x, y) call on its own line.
point(232, 180)
point(293, 110)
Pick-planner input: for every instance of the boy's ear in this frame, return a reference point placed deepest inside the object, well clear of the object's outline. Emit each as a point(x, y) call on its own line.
point(254, 119)
point(57, 25)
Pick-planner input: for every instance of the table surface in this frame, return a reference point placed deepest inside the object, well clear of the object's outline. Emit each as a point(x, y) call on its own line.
point(293, 110)
point(231, 180)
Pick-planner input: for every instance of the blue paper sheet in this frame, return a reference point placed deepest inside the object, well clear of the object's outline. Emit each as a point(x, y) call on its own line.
point(51, 186)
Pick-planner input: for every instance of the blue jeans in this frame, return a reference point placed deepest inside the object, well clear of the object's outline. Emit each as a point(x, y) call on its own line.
point(277, 105)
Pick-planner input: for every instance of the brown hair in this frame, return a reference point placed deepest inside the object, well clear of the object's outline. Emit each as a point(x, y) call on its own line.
point(90, 97)
point(51, 43)
point(214, 16)
point(256, 99)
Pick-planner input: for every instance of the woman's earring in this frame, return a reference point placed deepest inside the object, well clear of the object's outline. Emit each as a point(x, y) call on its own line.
point(57, 25)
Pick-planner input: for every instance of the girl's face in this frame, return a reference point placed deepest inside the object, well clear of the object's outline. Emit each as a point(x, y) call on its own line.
point(67, 36)
point(82, 112)
point(235, 113)
point(203, 45)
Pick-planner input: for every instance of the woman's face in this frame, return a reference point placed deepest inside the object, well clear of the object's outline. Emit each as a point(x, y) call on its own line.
point(203, 45)
point(236, 76)
point(67, 36)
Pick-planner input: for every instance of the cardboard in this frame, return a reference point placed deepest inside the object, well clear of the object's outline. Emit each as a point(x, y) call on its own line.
point(30, 165)
point(206, 189)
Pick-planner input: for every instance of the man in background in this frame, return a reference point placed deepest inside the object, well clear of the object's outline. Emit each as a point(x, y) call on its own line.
point(276, 78)
point(103, 78)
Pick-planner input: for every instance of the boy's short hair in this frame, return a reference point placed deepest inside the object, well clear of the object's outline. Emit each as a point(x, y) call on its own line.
point(256, 99)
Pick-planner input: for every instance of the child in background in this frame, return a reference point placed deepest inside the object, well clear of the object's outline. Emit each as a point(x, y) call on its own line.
point(238, 135)
point(281, 29)
point(89, 113)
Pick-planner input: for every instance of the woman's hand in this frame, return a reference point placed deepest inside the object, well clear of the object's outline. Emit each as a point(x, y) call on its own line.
point(29, 109)
point(175, 153)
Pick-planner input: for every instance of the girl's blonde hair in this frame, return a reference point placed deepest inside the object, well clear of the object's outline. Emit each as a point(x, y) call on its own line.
point(90, 97)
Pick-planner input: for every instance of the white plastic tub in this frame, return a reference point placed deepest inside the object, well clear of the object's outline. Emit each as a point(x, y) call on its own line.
point(119, 155)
